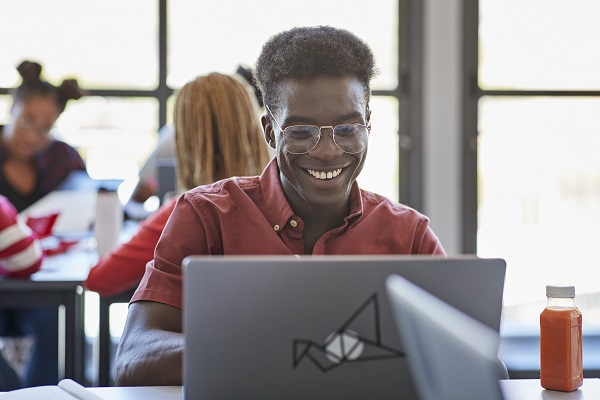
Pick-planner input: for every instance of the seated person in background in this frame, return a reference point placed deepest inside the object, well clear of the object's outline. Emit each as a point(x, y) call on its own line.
point(20, 256)
point(32, 164)
point(148, 185)
point(217, 135)
point(315, 83)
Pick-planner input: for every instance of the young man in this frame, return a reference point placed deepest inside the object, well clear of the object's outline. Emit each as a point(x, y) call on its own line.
point(316, 89)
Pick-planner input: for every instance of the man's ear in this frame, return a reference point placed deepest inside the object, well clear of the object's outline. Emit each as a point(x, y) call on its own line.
point(368, 117)
point(268, 130)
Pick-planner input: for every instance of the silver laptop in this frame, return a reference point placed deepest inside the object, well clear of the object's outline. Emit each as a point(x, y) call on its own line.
point(260, 327)
point(451, 355)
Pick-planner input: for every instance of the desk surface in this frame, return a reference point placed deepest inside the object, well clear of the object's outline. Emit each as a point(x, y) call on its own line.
point(136, 393)
point(58, 283)
point(515, 389)
point(530, 389)
point(68, 268)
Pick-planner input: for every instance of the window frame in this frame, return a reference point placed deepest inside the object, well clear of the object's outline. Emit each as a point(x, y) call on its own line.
point(472, 93)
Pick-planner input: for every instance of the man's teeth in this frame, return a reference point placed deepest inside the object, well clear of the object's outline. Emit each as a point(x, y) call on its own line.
point(325, 175)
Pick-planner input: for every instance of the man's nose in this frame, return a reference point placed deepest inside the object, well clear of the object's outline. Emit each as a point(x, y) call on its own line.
point(326, 148)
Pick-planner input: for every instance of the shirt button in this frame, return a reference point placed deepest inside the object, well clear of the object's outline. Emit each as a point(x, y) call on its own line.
point(276, 228)
point(293, 223)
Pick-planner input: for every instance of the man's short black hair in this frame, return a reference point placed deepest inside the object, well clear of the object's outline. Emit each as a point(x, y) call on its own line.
point(305, 52)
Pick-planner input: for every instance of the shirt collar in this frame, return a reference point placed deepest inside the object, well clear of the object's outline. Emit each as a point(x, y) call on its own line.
point(278, 209)
point(356, 202)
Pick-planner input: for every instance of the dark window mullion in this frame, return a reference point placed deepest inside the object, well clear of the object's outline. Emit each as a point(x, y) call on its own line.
point(471, 94)
point(163, 90)
point(409, 95)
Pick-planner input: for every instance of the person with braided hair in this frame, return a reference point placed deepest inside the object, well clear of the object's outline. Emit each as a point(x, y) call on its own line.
point(148, 184)
point(217, 135)
point(32, 164)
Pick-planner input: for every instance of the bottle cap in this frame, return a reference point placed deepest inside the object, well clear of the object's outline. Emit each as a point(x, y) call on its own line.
point(560, 291)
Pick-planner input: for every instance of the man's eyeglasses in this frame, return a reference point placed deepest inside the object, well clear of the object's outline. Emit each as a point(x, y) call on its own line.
point(301, 139)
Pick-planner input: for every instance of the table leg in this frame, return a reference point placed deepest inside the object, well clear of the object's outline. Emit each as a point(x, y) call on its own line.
point(75, 335)
point(104, 343)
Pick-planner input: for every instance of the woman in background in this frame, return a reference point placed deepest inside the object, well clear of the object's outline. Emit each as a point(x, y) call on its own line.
point(148, 184)
point(217, 135)
point(32, 164)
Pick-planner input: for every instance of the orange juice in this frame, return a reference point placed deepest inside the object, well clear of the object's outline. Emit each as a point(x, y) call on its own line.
point(561, 366)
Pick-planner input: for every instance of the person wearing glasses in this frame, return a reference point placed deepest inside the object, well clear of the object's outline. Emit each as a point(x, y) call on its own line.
point(315, 83)
point(32, 164)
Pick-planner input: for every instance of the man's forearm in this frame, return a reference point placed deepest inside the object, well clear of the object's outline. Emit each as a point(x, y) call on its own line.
point(151, 359)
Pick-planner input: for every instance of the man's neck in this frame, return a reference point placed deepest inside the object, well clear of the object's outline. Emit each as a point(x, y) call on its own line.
point(319, 220)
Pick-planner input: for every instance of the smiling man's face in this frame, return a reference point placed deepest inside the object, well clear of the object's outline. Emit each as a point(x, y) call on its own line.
point(324, 176)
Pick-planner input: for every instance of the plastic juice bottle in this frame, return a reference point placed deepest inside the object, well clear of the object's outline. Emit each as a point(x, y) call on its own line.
point(561, 363)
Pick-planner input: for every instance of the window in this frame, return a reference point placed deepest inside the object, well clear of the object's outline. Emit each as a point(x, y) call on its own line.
point(532, 176)
point(132, 56)
point(114, 128)
point(193, 49)
point(132, 61)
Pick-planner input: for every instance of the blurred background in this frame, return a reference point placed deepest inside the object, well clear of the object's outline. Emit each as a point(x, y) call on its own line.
point(484, 113)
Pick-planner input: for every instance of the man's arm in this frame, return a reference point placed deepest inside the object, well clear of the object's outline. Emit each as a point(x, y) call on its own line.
point(150, 352)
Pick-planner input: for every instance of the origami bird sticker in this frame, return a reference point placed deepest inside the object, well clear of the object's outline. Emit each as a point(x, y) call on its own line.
point(348, 344)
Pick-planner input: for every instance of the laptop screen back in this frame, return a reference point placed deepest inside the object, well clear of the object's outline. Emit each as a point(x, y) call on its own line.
point(320, 327)
point(451, 355)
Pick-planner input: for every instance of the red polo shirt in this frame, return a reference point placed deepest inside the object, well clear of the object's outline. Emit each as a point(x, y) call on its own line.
point(250, 215)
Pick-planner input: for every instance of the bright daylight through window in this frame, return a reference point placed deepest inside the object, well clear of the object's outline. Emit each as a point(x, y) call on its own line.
point(117, 54)
point(539, 171)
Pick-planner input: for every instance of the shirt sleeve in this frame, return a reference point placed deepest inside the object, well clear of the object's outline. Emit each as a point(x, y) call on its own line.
point(21, 253)
point(429, 242)
point(124, 267)
point(184, 235)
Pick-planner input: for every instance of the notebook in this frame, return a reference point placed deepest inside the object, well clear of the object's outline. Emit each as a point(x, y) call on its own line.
point(451, 355)
point(260, 327)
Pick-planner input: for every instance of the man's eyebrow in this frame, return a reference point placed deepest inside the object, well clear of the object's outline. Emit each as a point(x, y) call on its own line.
point(300, 120)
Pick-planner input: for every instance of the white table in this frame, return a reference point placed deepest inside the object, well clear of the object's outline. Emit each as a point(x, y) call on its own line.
point(59, 282)
point(137, 393)
point(530, 389)
point(515, 389)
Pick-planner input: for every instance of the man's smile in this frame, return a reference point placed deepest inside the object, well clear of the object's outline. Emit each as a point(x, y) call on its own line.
point(325, 174)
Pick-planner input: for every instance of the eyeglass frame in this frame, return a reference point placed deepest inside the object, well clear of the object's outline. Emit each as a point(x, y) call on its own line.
point(332, 135)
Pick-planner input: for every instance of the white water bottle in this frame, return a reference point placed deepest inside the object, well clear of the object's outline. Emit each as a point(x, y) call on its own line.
point(109, 221)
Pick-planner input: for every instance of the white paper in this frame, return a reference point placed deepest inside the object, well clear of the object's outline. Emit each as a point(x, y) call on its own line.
point(66, 390)
point(77, 390)
point(39, 392)
point(77, 210)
